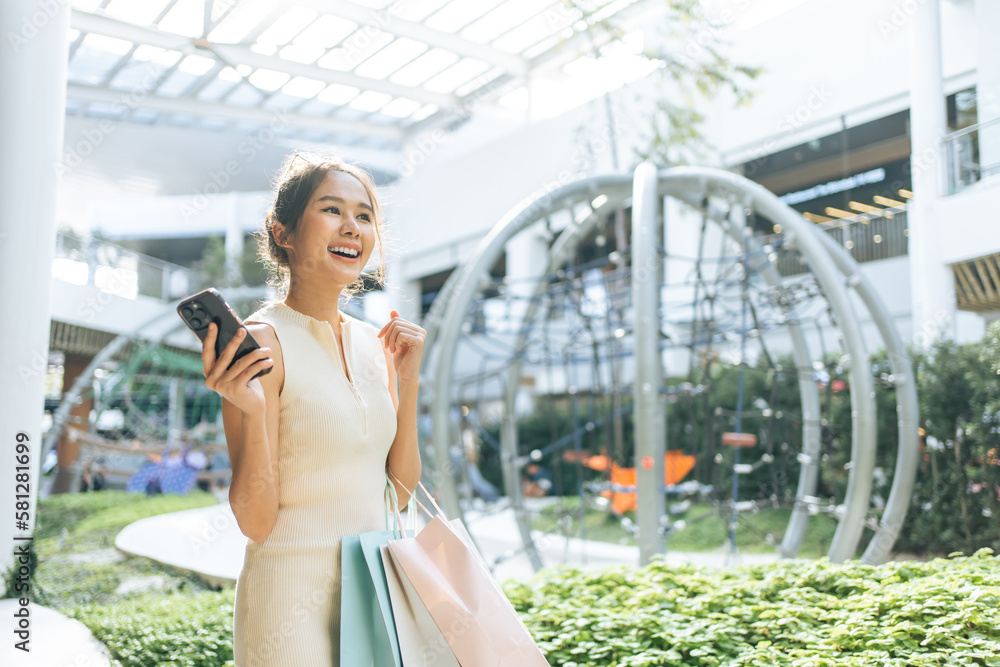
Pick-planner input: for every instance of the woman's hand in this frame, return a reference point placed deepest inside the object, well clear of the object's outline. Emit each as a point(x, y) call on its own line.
point(405, 341)
point(235, 384)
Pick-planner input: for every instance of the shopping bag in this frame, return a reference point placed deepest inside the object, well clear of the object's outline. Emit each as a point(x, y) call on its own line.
point(367, 627)
point(421, 643)
point(466, 602)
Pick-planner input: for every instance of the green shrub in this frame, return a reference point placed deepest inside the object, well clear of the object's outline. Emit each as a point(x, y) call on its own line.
point(942, 612)
point(173, 630)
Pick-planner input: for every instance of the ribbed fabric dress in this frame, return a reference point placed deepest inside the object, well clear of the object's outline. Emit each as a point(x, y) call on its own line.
point(334, 434)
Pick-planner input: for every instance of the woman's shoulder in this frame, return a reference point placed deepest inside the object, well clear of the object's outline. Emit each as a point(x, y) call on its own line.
point(264, 313)
point(261, 324)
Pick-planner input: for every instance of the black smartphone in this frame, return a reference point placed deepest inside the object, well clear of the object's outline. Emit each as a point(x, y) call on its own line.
point(199, 310)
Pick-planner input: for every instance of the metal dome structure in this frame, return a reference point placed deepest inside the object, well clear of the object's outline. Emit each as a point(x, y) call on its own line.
point(725, 198)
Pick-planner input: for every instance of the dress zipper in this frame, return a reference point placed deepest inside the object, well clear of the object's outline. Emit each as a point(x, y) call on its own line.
point(361, 402)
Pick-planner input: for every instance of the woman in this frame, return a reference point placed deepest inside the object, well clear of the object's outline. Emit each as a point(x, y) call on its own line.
point(312, 441)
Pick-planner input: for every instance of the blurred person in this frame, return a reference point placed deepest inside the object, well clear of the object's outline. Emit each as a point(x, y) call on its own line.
point(312, 442)
point(538, 481)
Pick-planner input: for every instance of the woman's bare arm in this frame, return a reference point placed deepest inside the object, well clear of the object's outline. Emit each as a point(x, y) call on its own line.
point(252, 439)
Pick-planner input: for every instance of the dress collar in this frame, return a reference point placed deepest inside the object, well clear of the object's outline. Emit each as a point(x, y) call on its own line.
point(308, 320)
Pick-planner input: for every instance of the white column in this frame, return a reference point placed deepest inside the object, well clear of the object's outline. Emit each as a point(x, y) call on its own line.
point(402, 295)
point(933, 295)
point(175, 413)
point(527, 259)
point(33, 56)
point(234, 239)
point(681, 232)
point(988, 82)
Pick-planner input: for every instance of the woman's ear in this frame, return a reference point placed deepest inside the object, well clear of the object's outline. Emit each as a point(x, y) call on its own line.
point(279, 233)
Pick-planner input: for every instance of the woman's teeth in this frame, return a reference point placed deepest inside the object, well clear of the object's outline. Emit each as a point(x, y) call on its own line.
point(342, 251)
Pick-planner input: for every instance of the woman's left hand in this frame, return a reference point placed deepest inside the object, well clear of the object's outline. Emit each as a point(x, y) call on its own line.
point(405, 341)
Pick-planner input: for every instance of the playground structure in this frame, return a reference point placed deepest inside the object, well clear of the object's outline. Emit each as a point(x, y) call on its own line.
point(726, 200)
point(140, 354)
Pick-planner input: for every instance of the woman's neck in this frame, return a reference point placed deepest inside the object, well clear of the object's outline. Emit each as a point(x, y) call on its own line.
point(315, 303)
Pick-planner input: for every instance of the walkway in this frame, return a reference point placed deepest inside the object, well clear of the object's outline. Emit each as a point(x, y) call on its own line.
point(56, 641)
point(208, 541)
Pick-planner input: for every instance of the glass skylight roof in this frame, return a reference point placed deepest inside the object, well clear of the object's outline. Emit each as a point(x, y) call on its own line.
point(378, 64)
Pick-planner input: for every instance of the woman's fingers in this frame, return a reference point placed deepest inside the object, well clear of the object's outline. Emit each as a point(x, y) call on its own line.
point(229, 352)
point(252, 370)
point(208, 349)
point(226, 357)
point(411, 331)
point(232, 374)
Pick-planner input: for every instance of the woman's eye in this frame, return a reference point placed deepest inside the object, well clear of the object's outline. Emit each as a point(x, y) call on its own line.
point(332, 209)
point(364, 216)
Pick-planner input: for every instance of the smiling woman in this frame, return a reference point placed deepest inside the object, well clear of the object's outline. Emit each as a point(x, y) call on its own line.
point(336, 188)
point(311, 442)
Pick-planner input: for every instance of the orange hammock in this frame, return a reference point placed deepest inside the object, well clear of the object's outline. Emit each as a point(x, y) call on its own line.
point(676, 466)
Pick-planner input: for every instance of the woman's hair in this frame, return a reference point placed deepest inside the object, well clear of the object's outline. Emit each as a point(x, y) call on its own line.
point(300, 175)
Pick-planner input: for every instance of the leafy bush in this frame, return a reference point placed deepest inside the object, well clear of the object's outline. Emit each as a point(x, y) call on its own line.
point(942, 612)
point(176, 630)
point(956, 503)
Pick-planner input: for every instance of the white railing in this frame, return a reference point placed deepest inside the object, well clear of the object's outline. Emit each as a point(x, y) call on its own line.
point(965, 165)
point(83, 260)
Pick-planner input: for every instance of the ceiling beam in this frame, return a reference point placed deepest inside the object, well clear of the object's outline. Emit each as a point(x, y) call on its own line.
point(385, 20)
point(257, 115)
point(562, 53)
point(242, 55)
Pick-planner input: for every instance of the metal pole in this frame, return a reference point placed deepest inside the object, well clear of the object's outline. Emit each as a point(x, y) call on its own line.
point(740, 223)
point(650, 421)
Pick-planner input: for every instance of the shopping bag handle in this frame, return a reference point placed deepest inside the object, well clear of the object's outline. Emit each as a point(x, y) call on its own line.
point(413, 495)
point(392, 501)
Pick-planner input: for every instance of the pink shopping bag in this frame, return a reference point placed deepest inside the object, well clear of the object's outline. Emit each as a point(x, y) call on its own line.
point(466, 602)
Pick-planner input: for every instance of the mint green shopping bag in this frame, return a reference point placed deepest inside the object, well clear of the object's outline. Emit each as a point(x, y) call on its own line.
point(367, 628)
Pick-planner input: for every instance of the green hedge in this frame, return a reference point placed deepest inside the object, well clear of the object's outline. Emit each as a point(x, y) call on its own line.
point(173, 630)
point(941, 612)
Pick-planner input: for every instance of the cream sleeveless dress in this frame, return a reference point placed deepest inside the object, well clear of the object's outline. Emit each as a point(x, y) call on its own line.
point(334, 435)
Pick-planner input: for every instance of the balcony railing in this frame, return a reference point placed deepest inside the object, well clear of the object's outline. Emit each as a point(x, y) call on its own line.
point(868, 237)
point(83, 260)
point(963, 151)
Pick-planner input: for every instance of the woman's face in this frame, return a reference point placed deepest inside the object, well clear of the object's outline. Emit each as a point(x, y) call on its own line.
point(336, 235)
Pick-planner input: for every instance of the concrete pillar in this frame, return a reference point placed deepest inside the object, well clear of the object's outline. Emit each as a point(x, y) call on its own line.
point(377, 305)
point(234, 239)
point(681, 241)
point(65, 475)
point(403, 295)
point(527, 258)
point(988, 82)
point(175, 412)
point(32, 119)
point(933, 295)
